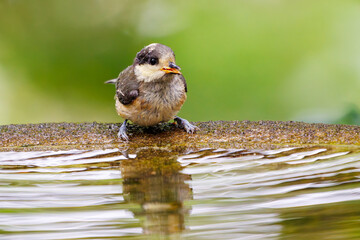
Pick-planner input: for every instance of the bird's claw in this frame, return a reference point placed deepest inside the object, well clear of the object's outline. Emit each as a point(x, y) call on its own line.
point(183, 123)
point(189, 128)
point(123, 136)
point(122, 132)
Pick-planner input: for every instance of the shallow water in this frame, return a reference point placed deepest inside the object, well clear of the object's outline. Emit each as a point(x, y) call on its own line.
point(155, 193)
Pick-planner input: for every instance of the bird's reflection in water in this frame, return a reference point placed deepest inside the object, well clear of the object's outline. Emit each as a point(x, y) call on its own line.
point(153, 180)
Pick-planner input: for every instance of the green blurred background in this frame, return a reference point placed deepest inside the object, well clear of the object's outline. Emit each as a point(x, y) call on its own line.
point(243, 60)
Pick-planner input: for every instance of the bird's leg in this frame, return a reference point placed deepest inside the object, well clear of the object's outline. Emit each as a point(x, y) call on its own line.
point(183, 123)
point(122, 131)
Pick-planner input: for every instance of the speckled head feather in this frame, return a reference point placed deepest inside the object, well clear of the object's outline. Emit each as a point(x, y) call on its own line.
point(154, 50)
point(153, 62)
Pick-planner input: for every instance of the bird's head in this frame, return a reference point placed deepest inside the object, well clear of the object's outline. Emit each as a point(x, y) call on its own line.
point(154, 61)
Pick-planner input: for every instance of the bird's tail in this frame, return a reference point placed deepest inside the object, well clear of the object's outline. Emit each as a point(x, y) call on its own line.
point(111, 81)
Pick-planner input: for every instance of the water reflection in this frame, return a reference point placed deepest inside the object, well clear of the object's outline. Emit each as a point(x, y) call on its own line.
point(288, 193)
point(337, 221)
point(153, 180)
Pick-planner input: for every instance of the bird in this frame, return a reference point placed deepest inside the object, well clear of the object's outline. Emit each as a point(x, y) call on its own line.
point(152, 90)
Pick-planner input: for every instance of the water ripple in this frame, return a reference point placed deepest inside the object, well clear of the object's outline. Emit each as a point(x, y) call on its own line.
point(205, 194)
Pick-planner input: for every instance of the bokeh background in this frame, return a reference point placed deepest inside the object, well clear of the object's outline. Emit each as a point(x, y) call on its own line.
point(243, 60)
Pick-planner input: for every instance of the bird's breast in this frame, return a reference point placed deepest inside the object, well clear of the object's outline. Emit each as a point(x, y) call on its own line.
point(157, 102)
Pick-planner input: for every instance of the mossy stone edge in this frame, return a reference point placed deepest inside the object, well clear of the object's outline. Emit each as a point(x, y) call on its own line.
point(212, 134)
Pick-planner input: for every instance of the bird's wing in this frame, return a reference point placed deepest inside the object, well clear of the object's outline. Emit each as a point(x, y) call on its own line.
point(127, 87)
point(184, 81)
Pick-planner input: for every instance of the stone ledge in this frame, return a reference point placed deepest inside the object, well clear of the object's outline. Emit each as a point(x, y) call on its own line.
point(219, 134)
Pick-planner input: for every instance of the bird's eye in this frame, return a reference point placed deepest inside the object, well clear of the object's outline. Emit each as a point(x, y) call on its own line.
point(153, 61)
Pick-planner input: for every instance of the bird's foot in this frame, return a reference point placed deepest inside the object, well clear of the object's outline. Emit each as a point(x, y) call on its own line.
point(122, 132)
point(185, 124)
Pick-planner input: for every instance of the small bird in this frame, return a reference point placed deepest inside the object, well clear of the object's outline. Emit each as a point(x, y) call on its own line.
point(151, 90)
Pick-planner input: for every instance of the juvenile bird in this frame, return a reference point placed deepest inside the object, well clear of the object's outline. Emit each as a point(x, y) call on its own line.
point(151, 90)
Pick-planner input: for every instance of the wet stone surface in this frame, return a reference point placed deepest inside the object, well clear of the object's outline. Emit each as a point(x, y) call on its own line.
point(227, 134)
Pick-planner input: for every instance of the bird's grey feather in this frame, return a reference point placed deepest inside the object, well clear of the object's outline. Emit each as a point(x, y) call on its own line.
point(184, 81)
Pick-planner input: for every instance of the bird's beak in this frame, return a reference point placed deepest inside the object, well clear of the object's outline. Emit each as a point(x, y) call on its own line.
point(172, 68)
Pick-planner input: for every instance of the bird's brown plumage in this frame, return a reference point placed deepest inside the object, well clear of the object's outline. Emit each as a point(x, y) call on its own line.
point(152, 90)
point(147, 103)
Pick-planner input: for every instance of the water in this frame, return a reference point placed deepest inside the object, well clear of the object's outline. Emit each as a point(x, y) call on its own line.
point(158, 193)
